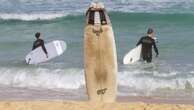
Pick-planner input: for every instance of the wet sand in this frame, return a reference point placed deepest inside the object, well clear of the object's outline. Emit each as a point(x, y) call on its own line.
point(71, 105)
point(30, 99)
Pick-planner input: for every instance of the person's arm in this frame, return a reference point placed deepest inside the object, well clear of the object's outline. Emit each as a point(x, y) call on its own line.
point(155, 49)
point(33, 47)
point(43, 47)
point(139, 42)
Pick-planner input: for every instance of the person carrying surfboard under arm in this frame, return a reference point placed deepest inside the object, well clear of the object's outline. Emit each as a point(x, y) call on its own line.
point(39, 42)
point(147, 43)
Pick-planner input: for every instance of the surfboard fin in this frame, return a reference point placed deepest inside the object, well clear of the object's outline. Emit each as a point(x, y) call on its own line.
point(131, 59)
point(29, 60)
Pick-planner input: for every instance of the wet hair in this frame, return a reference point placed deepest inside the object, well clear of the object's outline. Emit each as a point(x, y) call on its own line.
point(37, 35)
point(150, 31)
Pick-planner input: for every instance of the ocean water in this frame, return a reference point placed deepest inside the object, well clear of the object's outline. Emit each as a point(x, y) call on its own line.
point(169, 76)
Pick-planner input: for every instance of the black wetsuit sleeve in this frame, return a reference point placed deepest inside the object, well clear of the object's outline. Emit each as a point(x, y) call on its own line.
point(33, 47)
point(43, 47)
point(155, 48)
point(139, 42)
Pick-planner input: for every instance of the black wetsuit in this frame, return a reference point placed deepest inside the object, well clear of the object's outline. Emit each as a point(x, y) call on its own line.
point(147, 44)
point(38, 43)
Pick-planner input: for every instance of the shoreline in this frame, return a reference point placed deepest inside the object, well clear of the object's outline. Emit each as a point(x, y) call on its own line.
point(18, 94)
point(153, 100)
point(120, 99)
point(86, 105)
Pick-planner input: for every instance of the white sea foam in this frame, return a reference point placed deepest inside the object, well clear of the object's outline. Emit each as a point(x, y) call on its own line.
point(73, 78)
point(30, 17)
point(192, 72)
point(50, 9)
point(173, 73)
point(135, 79)
point(42, 78)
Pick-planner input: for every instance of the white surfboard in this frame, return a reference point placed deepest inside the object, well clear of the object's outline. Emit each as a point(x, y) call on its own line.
point(133, 56)
point(54, 49)
point(100, 58)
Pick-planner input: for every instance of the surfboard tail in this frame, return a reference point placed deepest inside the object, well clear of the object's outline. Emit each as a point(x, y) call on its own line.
point(133, 55)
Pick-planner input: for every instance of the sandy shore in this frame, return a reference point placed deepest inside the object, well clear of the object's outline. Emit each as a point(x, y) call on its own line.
point(30, 99)
point(68, 105)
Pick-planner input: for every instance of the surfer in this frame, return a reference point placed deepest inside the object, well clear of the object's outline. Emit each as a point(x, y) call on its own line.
point(39, 42)
point(147, 43)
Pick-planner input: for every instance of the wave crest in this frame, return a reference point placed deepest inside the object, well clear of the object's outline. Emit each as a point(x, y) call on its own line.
point(30, 17)
point(42, 78)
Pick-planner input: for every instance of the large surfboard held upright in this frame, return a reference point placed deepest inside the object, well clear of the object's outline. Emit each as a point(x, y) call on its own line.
point(54, 49)
point(100, 59)
point(133, 55)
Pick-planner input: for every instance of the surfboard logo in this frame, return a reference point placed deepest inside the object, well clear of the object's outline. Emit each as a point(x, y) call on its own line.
point(102, 91)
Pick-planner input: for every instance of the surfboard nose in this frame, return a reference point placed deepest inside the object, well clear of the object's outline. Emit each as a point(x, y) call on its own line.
point(97, 15)
point(97, 5)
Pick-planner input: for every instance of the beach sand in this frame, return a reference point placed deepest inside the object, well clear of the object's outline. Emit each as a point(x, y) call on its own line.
point(30, 99)
point(81, 105)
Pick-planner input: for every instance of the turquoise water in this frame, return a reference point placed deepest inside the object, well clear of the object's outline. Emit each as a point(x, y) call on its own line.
point(168, 76)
